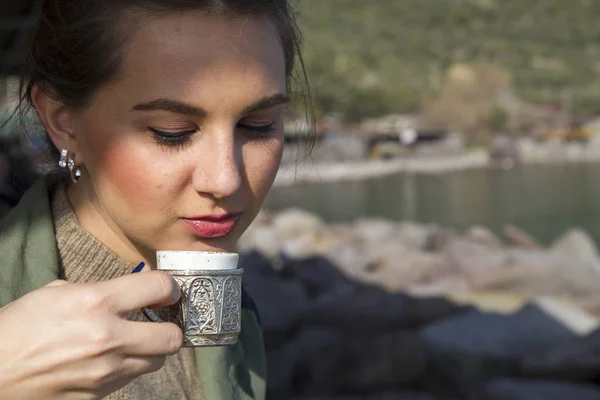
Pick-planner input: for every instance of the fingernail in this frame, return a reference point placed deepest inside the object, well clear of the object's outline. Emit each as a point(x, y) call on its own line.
point(138, 268)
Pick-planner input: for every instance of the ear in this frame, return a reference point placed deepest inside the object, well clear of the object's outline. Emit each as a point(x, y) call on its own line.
point(58, 119)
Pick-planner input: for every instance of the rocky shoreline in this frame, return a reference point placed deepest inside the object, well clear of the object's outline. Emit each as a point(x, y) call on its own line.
point(384, 310)
point(352, 167)
point(307, 172)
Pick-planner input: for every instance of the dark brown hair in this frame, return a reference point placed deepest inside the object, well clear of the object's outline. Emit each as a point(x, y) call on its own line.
point(77, 45)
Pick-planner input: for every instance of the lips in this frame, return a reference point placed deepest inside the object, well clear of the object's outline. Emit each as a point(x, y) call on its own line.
point(211, 226)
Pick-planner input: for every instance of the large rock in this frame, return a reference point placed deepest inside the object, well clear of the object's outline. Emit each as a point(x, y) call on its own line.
point(396, 267)
point(518, 238)
point(578, 360)
point(327, 361)
point(541, 273)
point(484, 236)
point(377, 310)
point(389, 263)
point(516, 389)
point(350, 255)
point(440, 286)
point(579, 250)
point(282, 303)
point(437, 238)
point(527, 271)
point(469, 349)
point(294, 222)
point(301, 246)
point(415, 235)
point(474, 260)
point(385, 395)
point(570, 315)
point(371, 230)
point(318, 275)
point(293, 232)
point(261, 238)
point(256, 267)
point(498, 302)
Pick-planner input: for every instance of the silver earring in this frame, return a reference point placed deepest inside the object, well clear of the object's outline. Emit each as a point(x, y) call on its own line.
point(63, 158)
point(75, 170)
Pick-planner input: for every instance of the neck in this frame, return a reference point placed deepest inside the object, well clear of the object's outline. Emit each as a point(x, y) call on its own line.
point(93, 218)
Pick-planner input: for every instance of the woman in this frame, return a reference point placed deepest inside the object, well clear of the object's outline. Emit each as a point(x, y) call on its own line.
point(168, 115)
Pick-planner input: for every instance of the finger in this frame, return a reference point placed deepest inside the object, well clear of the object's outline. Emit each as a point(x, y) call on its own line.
point(136, 366)
point(134, 291)
point(151, 339)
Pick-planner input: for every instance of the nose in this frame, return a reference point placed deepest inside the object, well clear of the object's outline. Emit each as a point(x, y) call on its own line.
point(218, 166)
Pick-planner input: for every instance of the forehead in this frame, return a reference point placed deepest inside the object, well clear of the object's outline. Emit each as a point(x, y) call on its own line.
point(195, 55)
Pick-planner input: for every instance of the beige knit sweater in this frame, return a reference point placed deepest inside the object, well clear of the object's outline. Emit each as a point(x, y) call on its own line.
point(82, 258)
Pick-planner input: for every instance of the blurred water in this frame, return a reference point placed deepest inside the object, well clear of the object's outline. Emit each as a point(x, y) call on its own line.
point(542, 200)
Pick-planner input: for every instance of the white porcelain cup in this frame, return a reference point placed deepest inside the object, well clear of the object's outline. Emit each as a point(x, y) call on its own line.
point(195, 260)
point(209, 310)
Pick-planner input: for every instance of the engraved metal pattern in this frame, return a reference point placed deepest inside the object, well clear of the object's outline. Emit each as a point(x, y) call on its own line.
point(209, 311)
point(231, 307)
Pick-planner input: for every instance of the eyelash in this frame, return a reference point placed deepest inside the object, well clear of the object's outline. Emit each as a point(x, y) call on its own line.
point(172, 139)
point(180, 139)
point(258, 132)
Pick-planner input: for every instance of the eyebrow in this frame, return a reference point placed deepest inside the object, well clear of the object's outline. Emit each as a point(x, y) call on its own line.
point(179, 107)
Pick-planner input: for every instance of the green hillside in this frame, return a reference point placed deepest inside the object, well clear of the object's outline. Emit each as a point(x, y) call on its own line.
point(370, 57)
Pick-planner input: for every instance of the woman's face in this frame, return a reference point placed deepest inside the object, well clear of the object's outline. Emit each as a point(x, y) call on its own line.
point(181, 150)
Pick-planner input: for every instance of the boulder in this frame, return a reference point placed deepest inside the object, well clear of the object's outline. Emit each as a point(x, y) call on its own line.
point(385, 395)
point(518, 238)
point(371, 230)
point(518, 389)
point(318, 275)
point(281, 303)
point(416, 236)
point(577, 360)
point(262, 238)
point(473, 260)
point(328, 361)
point(570, 315)
point(484, 236)
point(300, 247)
point(578, 249)
point(397, 267)
point(437, 238)
point(350, 255)
point(294, 222)
point(377, 310)
point(541, 273)
point(440, 286)
point(467, 350)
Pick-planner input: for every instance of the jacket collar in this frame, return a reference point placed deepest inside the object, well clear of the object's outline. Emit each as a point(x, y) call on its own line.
point(29, 258)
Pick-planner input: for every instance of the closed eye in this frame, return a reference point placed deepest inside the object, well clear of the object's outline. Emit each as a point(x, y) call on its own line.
point(257, 131)
point(172, 139)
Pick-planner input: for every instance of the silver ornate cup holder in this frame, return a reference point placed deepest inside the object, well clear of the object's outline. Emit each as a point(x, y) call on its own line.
point(209, 310)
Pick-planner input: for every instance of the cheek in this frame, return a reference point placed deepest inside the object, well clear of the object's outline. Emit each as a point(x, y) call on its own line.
point(130, 170)
point(262, 166)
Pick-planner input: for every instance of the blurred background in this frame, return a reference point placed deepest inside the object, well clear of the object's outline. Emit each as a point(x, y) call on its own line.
point(440, 240)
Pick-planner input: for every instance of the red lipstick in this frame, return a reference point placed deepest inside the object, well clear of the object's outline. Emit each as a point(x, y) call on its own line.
point(211, 226)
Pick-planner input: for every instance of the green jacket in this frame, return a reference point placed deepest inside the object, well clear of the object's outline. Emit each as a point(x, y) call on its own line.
point(29, 260)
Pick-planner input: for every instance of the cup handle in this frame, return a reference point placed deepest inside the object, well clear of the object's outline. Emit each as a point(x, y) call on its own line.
point(151, 315)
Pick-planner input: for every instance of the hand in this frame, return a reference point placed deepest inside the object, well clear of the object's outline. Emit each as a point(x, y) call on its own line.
point(73, 341)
